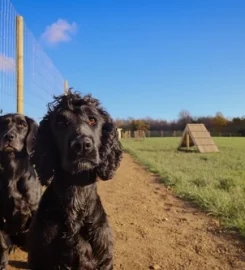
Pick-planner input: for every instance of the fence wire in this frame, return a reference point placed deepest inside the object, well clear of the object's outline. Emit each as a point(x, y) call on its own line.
point(7, 57)
point(42, 79)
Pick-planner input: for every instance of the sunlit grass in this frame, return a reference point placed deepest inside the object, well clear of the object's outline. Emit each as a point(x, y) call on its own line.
point(215, 181)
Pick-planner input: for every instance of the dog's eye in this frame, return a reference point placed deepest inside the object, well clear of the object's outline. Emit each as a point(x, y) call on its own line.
point(61, 122)
point(92, 121)
point(22, 123)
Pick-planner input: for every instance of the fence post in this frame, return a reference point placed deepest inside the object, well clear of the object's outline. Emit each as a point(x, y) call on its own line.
point(20, 64)
point(65, 87)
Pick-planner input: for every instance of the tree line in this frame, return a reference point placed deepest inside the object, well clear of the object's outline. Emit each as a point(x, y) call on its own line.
point(216, 124)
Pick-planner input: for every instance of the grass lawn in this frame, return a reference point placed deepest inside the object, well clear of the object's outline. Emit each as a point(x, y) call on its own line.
point(215, 181)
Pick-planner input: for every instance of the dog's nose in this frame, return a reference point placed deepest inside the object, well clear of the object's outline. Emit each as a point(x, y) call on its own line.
point(9, 137)
point(85, 145)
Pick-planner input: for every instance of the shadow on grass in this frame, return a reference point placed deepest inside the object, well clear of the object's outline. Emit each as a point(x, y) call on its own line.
point(19, 264)
point(154, 150)
point(150, 150)
point(188, 150)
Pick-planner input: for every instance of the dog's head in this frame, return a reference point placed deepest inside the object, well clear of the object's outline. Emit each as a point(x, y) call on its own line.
point(76, 135)
point(17, 133)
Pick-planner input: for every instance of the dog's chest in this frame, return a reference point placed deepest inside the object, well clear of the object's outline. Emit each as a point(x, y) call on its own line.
point(13, 197)
point(75, 211)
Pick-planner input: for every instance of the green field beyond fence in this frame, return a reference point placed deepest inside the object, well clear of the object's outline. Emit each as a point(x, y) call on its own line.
point(215, 181)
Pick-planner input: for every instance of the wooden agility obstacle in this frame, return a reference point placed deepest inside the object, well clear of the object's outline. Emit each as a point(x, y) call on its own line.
point(197, 135)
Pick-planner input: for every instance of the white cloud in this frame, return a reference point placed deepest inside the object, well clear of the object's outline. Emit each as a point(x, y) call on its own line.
point(7, 63)
point(59, 31)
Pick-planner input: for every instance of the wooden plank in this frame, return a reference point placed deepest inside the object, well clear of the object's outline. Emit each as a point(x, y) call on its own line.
point(204, 141)
point(200, 148)
point(201, 134)
point(196, 127)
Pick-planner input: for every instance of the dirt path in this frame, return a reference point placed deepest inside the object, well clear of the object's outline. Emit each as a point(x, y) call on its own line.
point(155, 230)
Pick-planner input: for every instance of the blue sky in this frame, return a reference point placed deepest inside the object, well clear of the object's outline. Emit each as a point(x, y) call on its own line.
point(149, 57)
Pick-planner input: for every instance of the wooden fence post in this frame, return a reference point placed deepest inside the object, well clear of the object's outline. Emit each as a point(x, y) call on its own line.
point(65, 87)
point(20, 64)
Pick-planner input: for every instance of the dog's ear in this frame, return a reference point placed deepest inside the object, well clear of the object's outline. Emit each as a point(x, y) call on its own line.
point(31, 136)
point(1, 171)
point(45, 153)
point(110, 151)
point(1, 166)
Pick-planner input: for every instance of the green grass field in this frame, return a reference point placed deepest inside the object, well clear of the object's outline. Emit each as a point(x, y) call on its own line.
point(214, 181)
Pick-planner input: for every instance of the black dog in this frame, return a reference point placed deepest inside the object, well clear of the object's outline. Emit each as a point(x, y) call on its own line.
point(77, 142)
point(20, 189)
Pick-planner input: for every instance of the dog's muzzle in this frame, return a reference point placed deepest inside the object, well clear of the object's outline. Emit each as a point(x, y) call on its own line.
point(82, 145)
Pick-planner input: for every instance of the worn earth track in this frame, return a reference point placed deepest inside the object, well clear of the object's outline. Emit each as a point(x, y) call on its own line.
point(155, 230)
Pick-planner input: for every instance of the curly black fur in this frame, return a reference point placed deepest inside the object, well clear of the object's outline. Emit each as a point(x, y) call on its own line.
point(20, 190)
point(77, 142)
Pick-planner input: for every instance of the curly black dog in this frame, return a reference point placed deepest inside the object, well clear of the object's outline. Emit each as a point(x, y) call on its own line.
point(77, 142)
point(20, 189)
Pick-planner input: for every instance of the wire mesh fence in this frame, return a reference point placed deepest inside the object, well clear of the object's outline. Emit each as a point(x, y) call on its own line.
point(41, 78)
point(7, 56)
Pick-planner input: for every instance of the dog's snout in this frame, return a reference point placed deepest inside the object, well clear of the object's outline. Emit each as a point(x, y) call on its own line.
point(9, 137)
point(87, 144)
point(84, 144)
point(76, 146)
